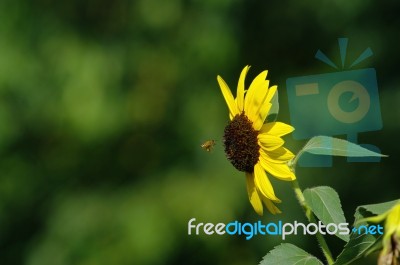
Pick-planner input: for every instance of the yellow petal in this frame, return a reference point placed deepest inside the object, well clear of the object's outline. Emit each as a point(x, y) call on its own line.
point(256, 95)
point(265, 107)
point(262, 115)
point(240, 89)
point(269, 142)
point(258, 101)
point(279, 155)
point(280, 171)
point(392, 224)
point(254, 198)
point(276, 128)
point(271, 92)
point(226, 92)
point(271, 206)
point(258, 81)
point(263, 184)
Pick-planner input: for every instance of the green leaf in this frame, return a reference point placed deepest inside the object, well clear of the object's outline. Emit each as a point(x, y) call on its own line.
point(273, 112)
point(357, 246)
point(325, 204)
point(361, 245)
point(289, 254)
point(326, 145)
point(378, 208)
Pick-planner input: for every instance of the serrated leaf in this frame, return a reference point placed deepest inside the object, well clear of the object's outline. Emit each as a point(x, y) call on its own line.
point(360, 245)
point(378, 208)
point(356, 248)
point(326, 145)
point(289, 254)
point(273, 112)
point(325, 204)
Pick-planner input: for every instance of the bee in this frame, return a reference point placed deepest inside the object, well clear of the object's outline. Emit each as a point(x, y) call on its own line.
point(208, 145)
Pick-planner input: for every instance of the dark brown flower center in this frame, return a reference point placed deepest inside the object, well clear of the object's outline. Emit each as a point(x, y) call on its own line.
point(241, 146)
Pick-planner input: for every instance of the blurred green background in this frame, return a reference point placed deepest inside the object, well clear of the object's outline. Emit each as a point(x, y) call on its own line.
point(104, 105)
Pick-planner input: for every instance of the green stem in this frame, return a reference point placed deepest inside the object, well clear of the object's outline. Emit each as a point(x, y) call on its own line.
point(311, 219)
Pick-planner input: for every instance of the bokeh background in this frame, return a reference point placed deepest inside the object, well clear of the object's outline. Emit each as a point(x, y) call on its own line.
point(104, 105)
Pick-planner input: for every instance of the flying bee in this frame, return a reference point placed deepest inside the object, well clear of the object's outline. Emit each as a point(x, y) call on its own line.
point(208, 145)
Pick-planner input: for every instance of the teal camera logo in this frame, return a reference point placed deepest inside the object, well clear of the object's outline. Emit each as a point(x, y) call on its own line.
point(338, 103)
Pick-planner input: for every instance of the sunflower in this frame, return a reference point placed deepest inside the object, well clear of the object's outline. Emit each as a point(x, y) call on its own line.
point(253, 146)
point(390, 253)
